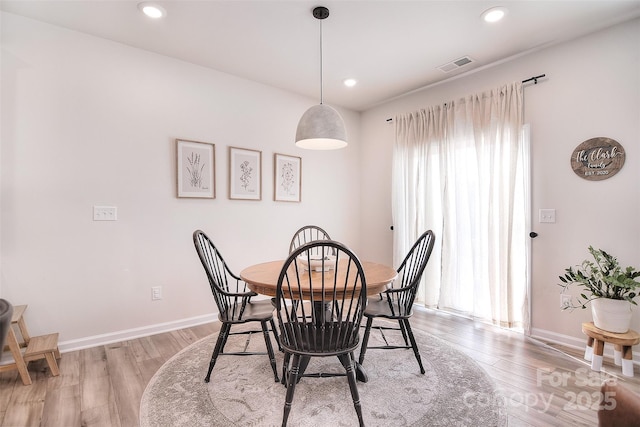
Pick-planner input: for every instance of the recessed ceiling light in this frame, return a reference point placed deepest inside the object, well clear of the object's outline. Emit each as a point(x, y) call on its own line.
point(152, 10)
point(350, 82)
point(494, 14)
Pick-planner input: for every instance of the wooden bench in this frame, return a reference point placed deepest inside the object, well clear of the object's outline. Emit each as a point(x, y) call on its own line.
point(28, 348)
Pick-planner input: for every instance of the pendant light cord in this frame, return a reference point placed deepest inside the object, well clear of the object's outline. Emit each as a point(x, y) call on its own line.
point(321, 77)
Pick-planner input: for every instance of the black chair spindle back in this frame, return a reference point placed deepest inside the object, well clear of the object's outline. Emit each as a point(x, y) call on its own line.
point(410, 274)
point(307, 234)
point(229, 291)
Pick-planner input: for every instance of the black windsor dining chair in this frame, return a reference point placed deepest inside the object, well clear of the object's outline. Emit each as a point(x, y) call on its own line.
point(396, 303)
point(235, 306)
point(324, 316)
point(306, 234)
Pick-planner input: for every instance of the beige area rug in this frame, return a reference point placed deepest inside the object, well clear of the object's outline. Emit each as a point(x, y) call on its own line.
point(455, 391)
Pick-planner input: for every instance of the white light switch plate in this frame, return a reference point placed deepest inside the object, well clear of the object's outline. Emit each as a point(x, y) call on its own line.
point(547, 215)
point(105, 213)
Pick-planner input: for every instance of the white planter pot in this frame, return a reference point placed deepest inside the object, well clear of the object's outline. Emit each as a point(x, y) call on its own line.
point(611, 315)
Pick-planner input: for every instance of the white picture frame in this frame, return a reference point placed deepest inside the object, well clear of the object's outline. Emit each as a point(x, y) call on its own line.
point(245, 174)
point(196, 169)
point(287, 178)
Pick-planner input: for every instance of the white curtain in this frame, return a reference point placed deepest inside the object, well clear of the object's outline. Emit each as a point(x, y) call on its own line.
point(459, 169)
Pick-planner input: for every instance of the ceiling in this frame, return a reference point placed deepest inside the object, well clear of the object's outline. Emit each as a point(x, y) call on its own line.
point(391, 47)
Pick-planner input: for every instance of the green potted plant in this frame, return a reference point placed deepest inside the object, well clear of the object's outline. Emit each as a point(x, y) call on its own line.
point(608, 287)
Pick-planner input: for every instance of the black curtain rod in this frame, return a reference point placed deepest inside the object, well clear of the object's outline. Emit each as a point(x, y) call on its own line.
point(534, 79)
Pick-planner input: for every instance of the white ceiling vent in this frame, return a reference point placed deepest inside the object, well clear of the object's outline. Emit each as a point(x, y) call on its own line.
point(454, 65)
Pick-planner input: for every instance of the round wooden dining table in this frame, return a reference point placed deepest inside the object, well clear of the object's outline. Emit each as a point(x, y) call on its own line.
point(263, 278)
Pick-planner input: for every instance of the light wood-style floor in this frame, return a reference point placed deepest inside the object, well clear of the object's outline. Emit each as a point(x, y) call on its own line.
point(102, 386)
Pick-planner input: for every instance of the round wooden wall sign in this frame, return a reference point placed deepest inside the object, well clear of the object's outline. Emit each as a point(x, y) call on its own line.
point(597, 159)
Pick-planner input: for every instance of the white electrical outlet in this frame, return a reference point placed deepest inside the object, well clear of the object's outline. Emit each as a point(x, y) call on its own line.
point(156, 293)
point(565, 301)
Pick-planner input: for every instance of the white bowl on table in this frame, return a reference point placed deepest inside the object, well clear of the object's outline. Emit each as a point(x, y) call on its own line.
point(315, 262)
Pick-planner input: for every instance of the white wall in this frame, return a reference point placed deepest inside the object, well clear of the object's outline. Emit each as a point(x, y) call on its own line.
point(88, 122)
point(592, 89)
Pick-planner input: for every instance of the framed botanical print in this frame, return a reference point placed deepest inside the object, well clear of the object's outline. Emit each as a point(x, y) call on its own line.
point(245, 174)
point(287, 178)
point(196, 170)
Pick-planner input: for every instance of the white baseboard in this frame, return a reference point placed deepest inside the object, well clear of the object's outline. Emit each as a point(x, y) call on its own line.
point(557, 338)
point(129, 334)
point(573, 342)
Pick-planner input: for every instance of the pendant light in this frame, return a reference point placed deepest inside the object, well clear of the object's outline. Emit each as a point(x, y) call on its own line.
point(321, 127)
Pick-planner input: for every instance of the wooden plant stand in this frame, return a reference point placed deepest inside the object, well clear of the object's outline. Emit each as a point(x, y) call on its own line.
point(622, 343)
